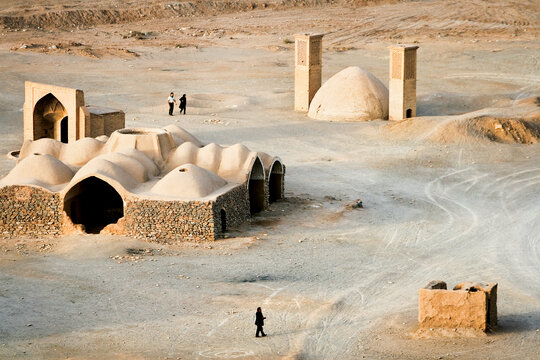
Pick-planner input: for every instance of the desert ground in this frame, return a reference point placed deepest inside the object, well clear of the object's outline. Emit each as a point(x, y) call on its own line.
point(453, 194)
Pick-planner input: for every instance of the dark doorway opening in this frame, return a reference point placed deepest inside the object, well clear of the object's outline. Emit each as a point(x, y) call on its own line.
point(223, 221)
point(64, 130)
point(256, 187)
point(275, 182)
point(408, 113)
point(94, 204)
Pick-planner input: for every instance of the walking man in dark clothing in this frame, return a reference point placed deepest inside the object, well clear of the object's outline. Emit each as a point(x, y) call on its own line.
point(172, 101)
point(259, 321)
point(183, 104)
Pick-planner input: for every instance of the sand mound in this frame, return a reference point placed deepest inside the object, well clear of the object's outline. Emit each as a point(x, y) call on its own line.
point(460, 129)
point(353, 94)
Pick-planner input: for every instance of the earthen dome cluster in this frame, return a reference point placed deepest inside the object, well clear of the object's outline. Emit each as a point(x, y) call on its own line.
point(148, 183)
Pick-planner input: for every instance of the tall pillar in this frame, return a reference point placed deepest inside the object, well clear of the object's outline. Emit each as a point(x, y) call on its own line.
point(307, 69)
point(402, 91)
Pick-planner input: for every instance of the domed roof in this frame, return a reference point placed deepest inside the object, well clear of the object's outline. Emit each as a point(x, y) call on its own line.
point(188, 181)
point(41, 170)
point(353, 94)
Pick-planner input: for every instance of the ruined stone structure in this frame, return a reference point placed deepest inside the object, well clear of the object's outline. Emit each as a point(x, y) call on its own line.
point(60, 113)
point(307, 69)
point(402, 87)
point(469, 306)
point(158, 184)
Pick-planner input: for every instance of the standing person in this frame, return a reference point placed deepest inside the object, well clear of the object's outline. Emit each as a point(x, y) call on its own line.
point(172, 101)
point(183, 104)
point(259, 321)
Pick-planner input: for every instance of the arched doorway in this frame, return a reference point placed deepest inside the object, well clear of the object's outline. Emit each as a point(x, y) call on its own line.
point(275, 182)
point(256, 187)
point(94, 204)
point(49, 115)
point(408, 113)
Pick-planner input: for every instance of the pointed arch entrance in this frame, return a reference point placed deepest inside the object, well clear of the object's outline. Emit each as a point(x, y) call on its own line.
point(256, 187)
point(275, 182)
point(94, 204)
point(50, 119)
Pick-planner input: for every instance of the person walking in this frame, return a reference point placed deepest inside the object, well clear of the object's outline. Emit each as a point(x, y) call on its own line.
point(171, 101)
point(183, 104)
point(259, 321)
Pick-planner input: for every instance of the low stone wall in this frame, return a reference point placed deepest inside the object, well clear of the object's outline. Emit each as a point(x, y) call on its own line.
point(29, 211)
point(175, 221)
point(34, 212)
point(236, 206)
point(471, 307)
point(169, 221)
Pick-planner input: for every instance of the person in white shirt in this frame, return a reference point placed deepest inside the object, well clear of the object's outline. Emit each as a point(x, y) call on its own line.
point(172, 101)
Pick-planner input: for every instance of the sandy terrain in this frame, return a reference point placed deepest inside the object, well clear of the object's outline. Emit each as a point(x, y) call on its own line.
point(441, 201)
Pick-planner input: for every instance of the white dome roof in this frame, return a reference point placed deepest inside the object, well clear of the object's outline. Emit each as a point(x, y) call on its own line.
point(188, 181)
point(353, 94)
point(41, 170)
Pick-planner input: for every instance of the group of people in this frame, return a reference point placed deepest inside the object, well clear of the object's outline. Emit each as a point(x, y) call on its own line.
point(172, 101)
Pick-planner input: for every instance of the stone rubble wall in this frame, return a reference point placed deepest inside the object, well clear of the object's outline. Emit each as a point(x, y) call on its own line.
point(177, 221)
point(29, 211)
point(236, 206)
point(169, 221)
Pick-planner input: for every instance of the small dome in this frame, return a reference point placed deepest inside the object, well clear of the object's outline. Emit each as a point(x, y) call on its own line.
point(37, 169)
point(188, 181)
point(353, 94)
point(81, 151)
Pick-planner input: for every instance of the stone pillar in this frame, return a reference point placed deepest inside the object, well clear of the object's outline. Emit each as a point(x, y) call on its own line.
point(402, 91)
point(307, 69)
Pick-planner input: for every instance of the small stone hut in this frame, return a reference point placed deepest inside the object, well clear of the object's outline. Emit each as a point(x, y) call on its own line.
point(470, 306)
point(158, 184)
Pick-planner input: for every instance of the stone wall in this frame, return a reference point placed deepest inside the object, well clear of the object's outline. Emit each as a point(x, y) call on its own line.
point(471, 308)
point(29, 211)
point(169, 221)
point(34, 212)
point(236, 206)
point(175, 221)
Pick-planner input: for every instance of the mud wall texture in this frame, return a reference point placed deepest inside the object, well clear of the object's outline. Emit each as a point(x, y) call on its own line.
point(440, 308)
point(29, 211)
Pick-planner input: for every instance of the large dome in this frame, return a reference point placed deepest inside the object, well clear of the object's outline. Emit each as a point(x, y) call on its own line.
point(353, 94)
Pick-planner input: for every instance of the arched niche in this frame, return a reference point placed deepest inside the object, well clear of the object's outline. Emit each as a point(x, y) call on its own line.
point(50, 119)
